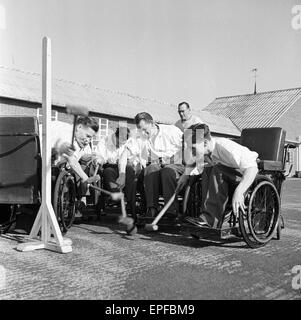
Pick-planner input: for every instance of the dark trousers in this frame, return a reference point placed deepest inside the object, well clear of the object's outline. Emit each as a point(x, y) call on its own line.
point(218, 184)
point(132, 181)
point(161, 180)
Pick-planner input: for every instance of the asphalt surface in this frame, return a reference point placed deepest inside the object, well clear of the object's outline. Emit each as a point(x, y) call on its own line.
point(107, 264)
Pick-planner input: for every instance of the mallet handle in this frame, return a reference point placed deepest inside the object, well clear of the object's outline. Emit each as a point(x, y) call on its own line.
point(123, 210)
point(73, 131)
point(96, 170)
point(165, 208)
point(101, 190)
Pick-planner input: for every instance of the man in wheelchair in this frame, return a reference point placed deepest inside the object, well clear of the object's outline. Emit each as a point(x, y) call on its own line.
point(108, 153)
point(76, 155)
point(227, 168)
point(158, 149)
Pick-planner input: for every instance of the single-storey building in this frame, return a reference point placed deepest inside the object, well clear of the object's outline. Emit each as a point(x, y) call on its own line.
point(21, 94)
point(278, 108)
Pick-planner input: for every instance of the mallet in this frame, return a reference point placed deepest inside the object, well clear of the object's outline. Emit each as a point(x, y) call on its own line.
point(76, 111)
point(131, 229)
point(153, 226)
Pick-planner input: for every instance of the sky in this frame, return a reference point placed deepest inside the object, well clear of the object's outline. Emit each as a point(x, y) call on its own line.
point(168, 50)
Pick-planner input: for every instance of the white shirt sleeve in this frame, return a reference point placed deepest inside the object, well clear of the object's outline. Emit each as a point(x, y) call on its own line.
point(235, 155)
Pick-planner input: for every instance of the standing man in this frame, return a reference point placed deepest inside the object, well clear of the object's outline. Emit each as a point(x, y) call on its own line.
point(187, 119)
point(159, 148)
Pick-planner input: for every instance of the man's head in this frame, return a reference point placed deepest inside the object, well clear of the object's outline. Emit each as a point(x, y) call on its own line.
point(198, 141)
point(86, 128)
point(184, 111)
point(144, 121)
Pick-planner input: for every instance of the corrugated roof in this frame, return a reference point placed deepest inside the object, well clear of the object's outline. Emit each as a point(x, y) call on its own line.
point(21, 85)
point(263, 109)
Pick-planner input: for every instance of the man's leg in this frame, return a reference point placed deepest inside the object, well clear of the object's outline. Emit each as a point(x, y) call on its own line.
point(216, 181)
point(169, 177)
point(110, 175)
point(82, 189)
point(130, 188)
point(152, 185)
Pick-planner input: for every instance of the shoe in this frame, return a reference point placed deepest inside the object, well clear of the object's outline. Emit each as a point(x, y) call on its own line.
point(199, 222)
point(78, 214)
point(151, 212)
point(80, 208)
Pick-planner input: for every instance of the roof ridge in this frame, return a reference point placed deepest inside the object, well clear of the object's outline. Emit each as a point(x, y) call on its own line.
point(286, 109)
point(83, 85)
point(258, 93)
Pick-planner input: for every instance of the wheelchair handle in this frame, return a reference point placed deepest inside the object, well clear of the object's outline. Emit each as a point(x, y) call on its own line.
point(289, 171)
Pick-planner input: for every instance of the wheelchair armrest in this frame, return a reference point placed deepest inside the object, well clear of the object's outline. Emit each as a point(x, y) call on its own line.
point(269, 165)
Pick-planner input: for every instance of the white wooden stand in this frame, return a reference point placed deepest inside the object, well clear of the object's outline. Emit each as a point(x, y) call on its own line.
point(46, 233)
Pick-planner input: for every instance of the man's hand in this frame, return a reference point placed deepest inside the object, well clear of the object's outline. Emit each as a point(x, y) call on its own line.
point(238, 202)
point(97, 159)
point(182, 182)
point(66, 148)
point(93, 179)
point(121, 180)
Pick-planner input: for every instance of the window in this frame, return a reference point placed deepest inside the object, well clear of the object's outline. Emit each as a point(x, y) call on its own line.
point(103, 131)
point(103, 127)
point(54, 115)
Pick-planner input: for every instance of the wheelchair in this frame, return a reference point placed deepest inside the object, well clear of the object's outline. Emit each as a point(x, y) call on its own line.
point(262, 219)
point(64, 191)
point(20, 169)
point(20, 176)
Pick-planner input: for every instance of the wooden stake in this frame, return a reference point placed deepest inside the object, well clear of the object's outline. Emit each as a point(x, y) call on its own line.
point(46, 233)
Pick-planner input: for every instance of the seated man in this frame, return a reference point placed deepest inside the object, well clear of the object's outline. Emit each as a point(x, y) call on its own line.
point(64, 151)
point(108, 154)
point(159, 150)
point(226, 167)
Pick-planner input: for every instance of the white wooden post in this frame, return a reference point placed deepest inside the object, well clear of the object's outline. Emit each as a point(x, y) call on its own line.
point(298, 153)
point(46, 233)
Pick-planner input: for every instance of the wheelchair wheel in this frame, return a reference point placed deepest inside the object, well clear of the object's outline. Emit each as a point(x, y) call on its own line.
point(258, 224)
point(8, 217)
point(64, 199)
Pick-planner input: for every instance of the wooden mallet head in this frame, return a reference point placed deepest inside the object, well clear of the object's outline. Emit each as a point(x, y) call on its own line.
point(77, 110)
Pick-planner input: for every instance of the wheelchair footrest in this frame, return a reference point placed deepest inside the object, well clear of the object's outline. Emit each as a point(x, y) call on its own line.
point(206, 232)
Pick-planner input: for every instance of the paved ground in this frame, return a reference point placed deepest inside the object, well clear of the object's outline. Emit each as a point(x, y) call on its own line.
point(107, 264)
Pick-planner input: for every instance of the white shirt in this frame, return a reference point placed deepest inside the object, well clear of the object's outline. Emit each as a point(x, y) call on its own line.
point(229, 154)
point(61, 132)
point(232, 154)
point(166, 144)
point(108, 150)
point(183, 125)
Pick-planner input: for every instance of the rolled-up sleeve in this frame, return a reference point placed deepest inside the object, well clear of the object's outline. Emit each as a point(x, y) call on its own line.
point(248, 159)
